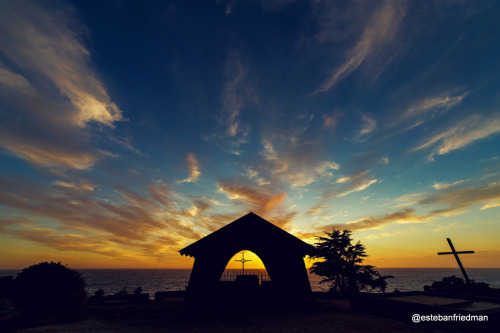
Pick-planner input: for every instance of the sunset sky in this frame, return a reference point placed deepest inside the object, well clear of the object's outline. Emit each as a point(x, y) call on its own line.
point(130, 129)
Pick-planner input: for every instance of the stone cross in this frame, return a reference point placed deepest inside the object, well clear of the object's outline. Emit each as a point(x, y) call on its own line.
point(455, 253)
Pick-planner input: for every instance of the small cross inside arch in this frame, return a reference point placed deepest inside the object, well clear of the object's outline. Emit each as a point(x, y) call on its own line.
point(243, 261)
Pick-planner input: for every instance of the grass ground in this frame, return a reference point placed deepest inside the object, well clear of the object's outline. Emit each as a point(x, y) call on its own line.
point(172, 315)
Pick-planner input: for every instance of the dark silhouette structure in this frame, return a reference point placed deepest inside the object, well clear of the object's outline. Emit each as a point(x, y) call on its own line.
point(455, 253)
point(281, 253)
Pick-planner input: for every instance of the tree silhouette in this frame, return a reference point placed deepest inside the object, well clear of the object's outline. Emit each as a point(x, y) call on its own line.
point(50, 287)
point(342, 264)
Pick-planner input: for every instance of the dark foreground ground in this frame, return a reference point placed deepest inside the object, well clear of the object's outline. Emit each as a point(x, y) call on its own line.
point(172, 315)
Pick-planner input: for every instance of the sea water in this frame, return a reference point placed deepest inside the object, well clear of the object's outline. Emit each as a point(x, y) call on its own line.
point(153, 280)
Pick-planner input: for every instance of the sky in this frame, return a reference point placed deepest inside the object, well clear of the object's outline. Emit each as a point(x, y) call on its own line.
point(131, 129)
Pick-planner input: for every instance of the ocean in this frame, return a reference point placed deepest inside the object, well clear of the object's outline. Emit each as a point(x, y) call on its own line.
point(153, 280)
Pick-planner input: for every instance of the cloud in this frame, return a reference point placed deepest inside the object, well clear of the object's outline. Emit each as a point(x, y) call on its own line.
point(49, 154)
point(492, 204)
point(81, 221)
point(403, 216)
point(300, 179)
point(444, 101)
point(269, 153)
point(304, 178)
point(343, 187)
point(259, 199)
point(161, 194)
point(419, 109)
point(193, 168)
point(15, 221)
point(315, 210)
point(368, 125)
point(237, 94)
point(83, 185)
point(283, 220)
point(42, 42)
point(379, 31)
point(346, 179)
point(46, 80)
point(331, 120)
point(198, 208)
point(279, 164)
point(353, 187)
point(458, 199)
point(445, 186)
point(452, 202)
point(464, 133)
point(274, 201)
point(293, 162)
point(324, 168)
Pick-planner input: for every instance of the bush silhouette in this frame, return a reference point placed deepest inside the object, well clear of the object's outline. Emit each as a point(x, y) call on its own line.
point(138, 291)
point(456, 285)
point(50, 287)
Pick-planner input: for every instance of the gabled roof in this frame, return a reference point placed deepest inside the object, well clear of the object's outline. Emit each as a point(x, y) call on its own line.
point(248, 231)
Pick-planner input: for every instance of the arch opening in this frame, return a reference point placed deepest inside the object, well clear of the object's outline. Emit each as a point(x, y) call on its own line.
point(245, 269)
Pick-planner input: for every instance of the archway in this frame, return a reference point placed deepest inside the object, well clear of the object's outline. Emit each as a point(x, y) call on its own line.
point(245, 262)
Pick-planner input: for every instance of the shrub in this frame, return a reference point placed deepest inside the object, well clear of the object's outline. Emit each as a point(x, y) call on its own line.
point(138, 291)
point(122, 293)
point(99, 293)
point(456, 285)
point(50, 287)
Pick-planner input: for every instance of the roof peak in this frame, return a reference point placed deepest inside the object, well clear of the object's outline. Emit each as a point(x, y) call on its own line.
point(241, 231)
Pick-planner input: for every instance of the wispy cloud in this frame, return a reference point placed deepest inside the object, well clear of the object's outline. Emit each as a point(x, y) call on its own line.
point(462, 134)
point(143, 225)
point(443, 101)
point(83, 185)
point(46, 77)
point(193, 169)
point(260, 199)
point(445, 186)
point(325, 168)
point(406, 215)
point(232, 96)
point(448, 203)
point(161, 193)
point(350, 178)
point(368, 124)
point(379, 31)
point(237, 94)
point(342, 187)
point(269, 153)
point(422, 109)
point(356, 186)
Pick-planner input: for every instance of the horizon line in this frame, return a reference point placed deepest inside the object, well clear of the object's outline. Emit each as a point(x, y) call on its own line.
point(179, 268)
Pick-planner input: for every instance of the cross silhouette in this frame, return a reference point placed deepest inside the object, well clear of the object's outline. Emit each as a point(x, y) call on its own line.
point(243, 261)
point(455, 253)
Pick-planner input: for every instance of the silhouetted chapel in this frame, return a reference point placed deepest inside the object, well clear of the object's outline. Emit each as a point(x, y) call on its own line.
point(282, 254)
